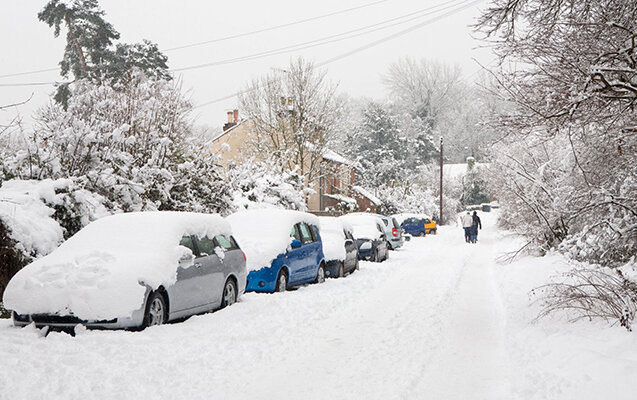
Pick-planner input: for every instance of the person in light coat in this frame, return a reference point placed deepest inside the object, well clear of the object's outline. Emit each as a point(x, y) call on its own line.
point(467, 223)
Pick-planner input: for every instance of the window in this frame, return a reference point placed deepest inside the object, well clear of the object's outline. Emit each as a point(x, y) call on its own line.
point(226, 243)
point(386, 222)
point(315, 233)
point(395, 222)
point(186, 241)
point(306, 235)
point(206, 246)
point(295, 233)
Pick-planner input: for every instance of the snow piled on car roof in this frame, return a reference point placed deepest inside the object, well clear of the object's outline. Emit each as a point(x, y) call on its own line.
point(264, 234)
point(333, 237)
point(364, 225)
point(98, 273)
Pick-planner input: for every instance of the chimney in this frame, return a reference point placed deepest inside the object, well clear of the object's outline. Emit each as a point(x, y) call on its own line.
point(233, 116)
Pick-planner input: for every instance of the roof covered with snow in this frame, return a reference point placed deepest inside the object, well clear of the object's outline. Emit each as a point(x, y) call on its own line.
point(96, 274)
point(331, 155)
point(264, 234)
point(366, 193)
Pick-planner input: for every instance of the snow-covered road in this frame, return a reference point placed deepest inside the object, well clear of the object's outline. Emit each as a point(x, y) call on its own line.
point(439, 320)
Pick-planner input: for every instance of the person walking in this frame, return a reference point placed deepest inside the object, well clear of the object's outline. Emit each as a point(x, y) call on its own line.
point(475, 223)
point(467, 223)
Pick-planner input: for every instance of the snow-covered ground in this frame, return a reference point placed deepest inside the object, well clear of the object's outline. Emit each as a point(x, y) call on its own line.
point(440, 320)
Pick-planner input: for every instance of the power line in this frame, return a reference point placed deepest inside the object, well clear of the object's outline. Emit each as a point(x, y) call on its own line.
point(400, 33)
point(332, 38)
point(27, 84)
point(277, 26)
point(231, 36)
point(365, 47)
point(28, 72)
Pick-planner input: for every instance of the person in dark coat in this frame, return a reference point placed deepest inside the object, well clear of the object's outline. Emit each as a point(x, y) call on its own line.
point(474, 227)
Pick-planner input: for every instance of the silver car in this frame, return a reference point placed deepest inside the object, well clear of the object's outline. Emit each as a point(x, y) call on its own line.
point(113, 273)
point(393, 231)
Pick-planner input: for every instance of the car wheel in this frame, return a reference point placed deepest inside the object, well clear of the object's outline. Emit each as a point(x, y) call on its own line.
point(341, 269)
point(421, 234)
point(281, 282)
point(386, 255)
point(156, 310)
point(229, 294)
point(357, 265)
point(320, 274)
point(376, 256)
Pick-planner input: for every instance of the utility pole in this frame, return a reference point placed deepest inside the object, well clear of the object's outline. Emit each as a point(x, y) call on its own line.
point(440, 215)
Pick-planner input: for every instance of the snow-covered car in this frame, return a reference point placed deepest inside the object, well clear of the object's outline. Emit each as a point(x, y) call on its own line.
point(339, 246)
point(393, 230)
point(283, 248)
point(369, 231)
point(130, 271)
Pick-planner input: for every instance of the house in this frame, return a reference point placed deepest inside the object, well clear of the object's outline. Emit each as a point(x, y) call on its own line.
point(334, 190)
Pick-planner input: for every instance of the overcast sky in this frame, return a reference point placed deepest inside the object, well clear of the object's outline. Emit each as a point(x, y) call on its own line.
point(27, 44)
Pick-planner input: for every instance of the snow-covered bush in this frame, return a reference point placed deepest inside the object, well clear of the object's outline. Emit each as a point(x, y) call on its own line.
point(36, 216)
point(585, 293)
point(129, 141)
point(262, 184)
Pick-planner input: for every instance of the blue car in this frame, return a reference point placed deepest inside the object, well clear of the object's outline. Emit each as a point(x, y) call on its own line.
point(283, 248)
point(417, 225)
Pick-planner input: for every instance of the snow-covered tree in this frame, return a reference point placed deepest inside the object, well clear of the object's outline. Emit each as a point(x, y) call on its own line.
point(265, 184)
point(293, 113)
point(567, 163)
point(130, 141)
point(89, 52)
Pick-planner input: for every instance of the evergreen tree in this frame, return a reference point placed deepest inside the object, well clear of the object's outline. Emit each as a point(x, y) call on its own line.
point(89, 52)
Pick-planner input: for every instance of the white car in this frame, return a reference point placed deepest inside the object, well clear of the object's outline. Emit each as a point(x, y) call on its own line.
point(130, 271)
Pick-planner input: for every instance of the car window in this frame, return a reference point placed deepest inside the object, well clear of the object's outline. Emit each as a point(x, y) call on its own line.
point(386, 222)
point(186, 241)
point(295, 232)
point(395, 222)
point(306, 235)
point(206, 246)
point(226, 243)
point(315, 233)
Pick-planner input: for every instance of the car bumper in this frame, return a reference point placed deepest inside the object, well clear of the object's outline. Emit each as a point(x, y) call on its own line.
point(396, 243)
point(262, 280)
point(69, 322)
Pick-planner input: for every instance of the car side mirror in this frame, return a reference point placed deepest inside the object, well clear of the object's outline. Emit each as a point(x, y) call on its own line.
point(296, 244)
point(186, 259)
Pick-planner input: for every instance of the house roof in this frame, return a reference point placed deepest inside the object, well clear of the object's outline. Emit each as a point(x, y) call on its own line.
point(366, 193)
point(222, 134)
point(333, 156)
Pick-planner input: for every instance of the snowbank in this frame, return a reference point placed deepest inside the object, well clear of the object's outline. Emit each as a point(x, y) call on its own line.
point(97, 273)
point(264, 234)
point(333, 237)
point(364, 226)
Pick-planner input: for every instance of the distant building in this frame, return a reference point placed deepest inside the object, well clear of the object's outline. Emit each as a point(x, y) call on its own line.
point(335, 189)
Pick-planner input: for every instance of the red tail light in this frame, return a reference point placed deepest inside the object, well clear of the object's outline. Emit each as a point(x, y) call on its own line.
point(394, 232)
point(244, 256)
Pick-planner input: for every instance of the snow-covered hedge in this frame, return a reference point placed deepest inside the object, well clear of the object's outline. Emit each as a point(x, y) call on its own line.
point(37, 216)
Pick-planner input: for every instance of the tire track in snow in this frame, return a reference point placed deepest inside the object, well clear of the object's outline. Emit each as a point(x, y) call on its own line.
point(471, 360)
